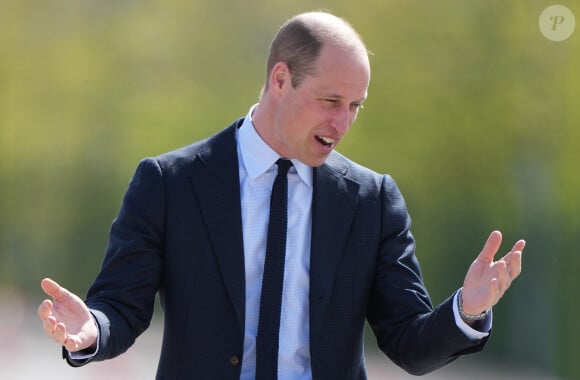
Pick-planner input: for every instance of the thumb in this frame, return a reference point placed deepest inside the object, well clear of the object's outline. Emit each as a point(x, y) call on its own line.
point(490, 248)
point(53, 289)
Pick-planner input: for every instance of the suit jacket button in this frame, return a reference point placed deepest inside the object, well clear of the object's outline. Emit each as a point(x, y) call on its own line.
point(234, 361)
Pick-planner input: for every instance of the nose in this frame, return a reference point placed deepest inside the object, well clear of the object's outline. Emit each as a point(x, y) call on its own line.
point(342, 120)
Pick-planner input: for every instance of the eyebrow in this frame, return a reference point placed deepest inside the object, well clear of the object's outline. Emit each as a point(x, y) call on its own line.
point(338, 96)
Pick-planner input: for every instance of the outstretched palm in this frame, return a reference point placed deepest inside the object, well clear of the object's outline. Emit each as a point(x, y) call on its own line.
point(66, 318)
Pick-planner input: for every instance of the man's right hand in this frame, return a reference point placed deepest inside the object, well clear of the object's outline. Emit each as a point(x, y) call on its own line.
point(67, 318)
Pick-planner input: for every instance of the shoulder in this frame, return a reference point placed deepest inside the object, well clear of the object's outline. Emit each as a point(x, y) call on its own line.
point(343, 166)
point(217, 147)
point(371, 184)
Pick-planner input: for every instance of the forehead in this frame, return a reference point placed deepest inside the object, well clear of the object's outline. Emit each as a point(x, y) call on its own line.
point(341, 70)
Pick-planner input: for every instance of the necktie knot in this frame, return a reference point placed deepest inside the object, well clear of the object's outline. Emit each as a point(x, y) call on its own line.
point(283, 166)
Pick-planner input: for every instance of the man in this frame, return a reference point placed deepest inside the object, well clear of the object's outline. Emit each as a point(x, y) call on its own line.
point(193, 227)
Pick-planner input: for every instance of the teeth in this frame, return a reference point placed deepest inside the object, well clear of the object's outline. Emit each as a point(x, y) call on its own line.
point(326, 140)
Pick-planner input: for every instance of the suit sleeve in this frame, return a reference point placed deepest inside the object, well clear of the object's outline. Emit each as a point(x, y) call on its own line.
point(416, 336)
point(122, 296)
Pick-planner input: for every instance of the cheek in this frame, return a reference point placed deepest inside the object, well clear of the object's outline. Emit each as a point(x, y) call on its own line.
point(353, 118)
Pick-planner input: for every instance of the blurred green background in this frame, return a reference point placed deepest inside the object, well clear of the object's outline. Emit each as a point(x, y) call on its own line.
point(473, 112)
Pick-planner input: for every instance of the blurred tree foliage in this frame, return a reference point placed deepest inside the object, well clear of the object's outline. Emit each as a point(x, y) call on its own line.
point(471, 109)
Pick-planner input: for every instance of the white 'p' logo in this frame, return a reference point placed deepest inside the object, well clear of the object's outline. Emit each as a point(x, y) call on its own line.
point(557, 23)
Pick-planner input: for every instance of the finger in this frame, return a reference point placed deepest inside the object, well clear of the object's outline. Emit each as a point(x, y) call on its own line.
point(519, 246)
point(503, 276)
point(49, 325)
point(44, 310)
point(60, 334)
point(513, 259)
point(53, 289)
point(515, 264)
point(490, 248)
point(494, 293)
point(71, 344)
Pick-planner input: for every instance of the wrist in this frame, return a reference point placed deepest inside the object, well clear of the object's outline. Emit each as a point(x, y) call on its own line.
point(466, 316)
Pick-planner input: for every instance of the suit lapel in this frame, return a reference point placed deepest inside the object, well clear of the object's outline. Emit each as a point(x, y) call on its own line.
point(217, 186)
point(333, 205)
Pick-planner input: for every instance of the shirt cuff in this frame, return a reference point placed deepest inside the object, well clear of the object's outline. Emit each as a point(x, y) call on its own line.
point(86, 353)
point(479, 330)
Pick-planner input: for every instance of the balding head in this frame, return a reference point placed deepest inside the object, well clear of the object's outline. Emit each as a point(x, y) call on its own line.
point(300, 40)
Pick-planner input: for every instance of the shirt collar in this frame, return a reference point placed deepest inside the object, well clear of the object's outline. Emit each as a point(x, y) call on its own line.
point(257, 156)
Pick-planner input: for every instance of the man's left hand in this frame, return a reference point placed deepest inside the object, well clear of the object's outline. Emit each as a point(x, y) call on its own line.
point(487, 280)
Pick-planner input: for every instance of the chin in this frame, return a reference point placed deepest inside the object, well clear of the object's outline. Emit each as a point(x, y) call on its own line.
point(317, 162)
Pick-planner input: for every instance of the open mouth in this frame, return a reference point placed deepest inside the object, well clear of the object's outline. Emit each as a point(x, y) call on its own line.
point(326, 141)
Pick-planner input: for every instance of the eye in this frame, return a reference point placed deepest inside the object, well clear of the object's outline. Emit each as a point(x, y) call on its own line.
point(333, 102)
point(356, 106)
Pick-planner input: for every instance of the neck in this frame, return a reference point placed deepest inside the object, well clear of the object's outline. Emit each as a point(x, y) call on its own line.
point(263, 120)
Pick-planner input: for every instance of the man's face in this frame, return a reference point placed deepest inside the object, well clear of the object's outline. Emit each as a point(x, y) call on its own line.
point(312, 118)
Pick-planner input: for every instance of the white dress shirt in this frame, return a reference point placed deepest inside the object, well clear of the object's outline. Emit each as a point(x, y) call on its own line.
point(258, 169)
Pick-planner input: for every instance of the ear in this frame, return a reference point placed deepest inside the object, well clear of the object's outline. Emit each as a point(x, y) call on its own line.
point(280, 77)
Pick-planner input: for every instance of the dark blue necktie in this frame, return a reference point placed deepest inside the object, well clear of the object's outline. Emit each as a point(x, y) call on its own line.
point(271, 299)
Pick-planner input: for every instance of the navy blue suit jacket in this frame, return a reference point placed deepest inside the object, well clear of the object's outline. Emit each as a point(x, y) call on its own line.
point(179, 234)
